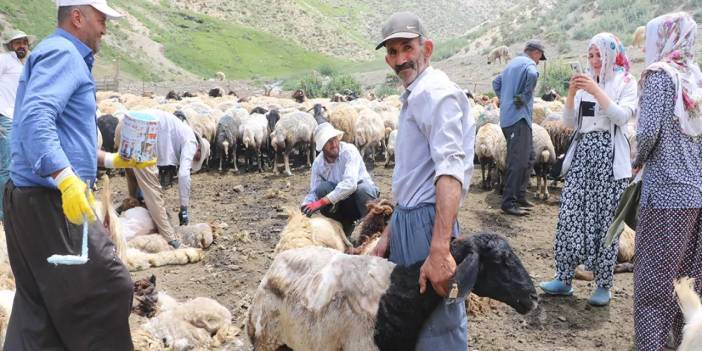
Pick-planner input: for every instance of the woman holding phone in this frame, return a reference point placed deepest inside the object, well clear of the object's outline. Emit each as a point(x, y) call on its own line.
point(600, 102)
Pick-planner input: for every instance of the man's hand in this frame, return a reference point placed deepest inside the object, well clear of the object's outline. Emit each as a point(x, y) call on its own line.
point(313, 207)
point(439, 268)
point(116, 161)
point(75, 199)
point(381, 248)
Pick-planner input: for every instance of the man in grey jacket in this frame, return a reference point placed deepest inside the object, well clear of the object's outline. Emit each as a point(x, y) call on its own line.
point(515, 88)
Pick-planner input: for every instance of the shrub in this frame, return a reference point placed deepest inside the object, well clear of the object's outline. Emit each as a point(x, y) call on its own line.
point(342, 83)
point(383, 90)
point(327, 70)
point(315, 85)
point(556, 77)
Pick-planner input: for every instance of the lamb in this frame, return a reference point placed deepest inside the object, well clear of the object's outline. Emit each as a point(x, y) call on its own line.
point(370, 132)
point(302, 231)
point(488, 136)
point(220, 76)
point(293, 129)
point(500, 53)
point(691, 307)
point(226, 141)
point(315, 298)
point(639, 37)
point(545, 158)
point(253, 136)
point(372, 226)
point(344, 118)
point(107, 124)
point(390, 148)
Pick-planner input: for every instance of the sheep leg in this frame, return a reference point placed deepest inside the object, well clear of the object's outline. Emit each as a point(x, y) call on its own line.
point(275, 163)
point(545, 193)
point(286, 160)
point(221, 156)
point(236, 169)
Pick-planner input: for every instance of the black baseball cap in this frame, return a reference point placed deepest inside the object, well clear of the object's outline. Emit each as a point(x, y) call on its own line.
point(402, 25)
point(536, 44)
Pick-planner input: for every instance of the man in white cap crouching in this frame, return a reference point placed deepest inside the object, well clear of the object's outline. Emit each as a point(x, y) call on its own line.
point(340, 186)
point(48, 204)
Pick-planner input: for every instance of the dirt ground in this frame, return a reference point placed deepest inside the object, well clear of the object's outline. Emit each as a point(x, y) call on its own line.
point(236, 262)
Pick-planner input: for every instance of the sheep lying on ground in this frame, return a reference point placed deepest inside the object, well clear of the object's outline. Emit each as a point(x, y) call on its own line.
point(691, 307)
point(318, 230)
point(639, 37)
point(293, 129)
point(545, 158)
point(488, 136)
point(315, 298)
point(199, 235)
point(197, 324)
point(138, 260)
point(500, 53)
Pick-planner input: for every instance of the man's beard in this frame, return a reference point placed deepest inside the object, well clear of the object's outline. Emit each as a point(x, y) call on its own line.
point(21, 53)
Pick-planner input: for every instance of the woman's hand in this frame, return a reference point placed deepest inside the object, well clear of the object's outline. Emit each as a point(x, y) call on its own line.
point(586, 83)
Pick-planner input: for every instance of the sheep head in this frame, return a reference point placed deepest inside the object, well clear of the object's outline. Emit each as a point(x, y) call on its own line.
point(379, 212)
point(488, 265)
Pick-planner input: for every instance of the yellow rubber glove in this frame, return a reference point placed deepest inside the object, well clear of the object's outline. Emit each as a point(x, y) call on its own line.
point(116, 161)
point(73, 196)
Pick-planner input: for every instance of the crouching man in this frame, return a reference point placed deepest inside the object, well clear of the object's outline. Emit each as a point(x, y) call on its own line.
point(340, 186)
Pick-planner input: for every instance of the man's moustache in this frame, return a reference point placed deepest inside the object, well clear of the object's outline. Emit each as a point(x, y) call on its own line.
point(404, 66)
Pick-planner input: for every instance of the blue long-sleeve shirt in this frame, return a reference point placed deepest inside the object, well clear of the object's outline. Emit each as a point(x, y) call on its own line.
point(54, 124)
point(518, 78)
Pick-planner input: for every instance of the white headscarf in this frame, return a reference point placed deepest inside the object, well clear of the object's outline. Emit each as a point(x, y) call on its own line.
point(614, 74)
point(670, 47)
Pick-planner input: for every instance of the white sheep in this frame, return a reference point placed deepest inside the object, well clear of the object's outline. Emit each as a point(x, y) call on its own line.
point(390, 147)
point(691, 307)
point(315, 298)
point(293, 129)
point(497, 151)
point(370, 132)
point(318, 230)
point(639, 37)
point(500, 53)
point(545, 158)
point(198, 235)
point(343, 117)
point(220, 76)
point(254, 134)
point(487, 137)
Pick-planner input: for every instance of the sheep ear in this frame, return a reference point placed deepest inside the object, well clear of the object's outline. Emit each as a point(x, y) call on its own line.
point(464, 279)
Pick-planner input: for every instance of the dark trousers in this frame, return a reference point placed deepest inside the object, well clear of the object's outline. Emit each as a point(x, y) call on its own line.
point(82, 307)
point(353, 208)
point(520, 162)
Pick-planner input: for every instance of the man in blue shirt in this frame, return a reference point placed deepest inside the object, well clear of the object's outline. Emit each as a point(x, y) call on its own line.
point(47, 200)
point(515, 88)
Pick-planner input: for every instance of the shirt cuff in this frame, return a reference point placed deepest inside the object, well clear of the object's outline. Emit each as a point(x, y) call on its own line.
point(50, 163)
point(451, 167)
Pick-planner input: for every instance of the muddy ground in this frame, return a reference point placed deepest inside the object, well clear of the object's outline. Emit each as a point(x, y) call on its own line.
point(235, 263)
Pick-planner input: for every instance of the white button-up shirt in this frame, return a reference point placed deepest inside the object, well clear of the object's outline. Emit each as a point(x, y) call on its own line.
point(346, 172)
point(10, 71)
point(436, 137)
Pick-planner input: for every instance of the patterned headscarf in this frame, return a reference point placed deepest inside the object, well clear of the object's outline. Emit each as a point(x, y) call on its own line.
point(614, 73)
point(670, 46)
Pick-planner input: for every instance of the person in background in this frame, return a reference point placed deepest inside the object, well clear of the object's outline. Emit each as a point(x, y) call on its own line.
point(669, 137)
point(340, 185)
point(599, 105)
point(515, 89)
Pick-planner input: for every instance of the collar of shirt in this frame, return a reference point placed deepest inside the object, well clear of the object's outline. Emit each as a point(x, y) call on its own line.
point(414, 84)
point(84, 50)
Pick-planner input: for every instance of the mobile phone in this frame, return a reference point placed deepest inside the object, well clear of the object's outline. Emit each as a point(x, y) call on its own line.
point(576, 67)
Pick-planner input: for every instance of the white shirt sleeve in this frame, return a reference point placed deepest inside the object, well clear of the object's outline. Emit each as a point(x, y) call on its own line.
point(621, 112)
point(314, 183)
point(187, 154)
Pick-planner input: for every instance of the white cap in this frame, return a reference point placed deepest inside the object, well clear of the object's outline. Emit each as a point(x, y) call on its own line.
point(324, 132)
point(100, 5)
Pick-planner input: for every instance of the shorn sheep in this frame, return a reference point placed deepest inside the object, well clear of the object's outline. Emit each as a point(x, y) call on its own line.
point(691, 307)
point(500, 53)
point(318, 230)
point(316, 298)
point(545, 158)
point(639, 37)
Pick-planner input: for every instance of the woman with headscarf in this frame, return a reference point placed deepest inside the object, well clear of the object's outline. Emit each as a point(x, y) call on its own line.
point(669, 136)
point(599, 105)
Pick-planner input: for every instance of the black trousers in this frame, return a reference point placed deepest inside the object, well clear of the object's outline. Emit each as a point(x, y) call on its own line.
point(351, 209)
point(82, 307)
point(520, 162)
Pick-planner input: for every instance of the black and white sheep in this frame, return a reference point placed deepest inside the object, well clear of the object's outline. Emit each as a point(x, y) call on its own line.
point(316, 298)
point(319, 113)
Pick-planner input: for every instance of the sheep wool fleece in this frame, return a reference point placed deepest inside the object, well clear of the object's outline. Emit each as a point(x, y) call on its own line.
point(83, 307)
point(447, 327)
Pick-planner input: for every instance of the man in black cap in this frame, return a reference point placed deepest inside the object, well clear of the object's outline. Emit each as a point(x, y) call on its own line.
point(515, 88)
point(434, 163)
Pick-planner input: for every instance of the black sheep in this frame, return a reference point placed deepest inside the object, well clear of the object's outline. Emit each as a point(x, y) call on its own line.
point(107, 124)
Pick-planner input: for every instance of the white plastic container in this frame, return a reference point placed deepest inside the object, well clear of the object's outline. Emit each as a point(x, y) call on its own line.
point(138, 136)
